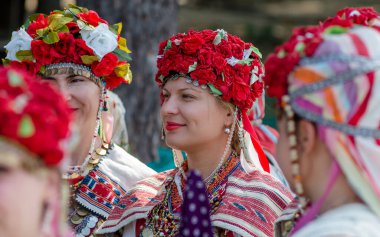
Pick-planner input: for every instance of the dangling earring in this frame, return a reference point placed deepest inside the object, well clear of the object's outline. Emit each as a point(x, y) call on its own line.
point(162, 132)
point(47, 221)
point(227, 130)
point(107, 120)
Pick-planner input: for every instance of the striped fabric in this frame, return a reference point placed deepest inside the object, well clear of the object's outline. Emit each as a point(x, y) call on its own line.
point(250, 205)
point(339, 89)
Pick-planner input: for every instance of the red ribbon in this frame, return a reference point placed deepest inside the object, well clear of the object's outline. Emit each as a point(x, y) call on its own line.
point(255, 141)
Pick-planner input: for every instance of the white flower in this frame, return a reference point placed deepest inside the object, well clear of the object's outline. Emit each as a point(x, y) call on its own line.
point(20, 41)
point(101, 40)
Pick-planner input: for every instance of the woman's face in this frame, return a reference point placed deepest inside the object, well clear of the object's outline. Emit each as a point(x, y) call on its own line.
point(282, 149)
point(22, 200)
point(192, 117)
point(82, 95)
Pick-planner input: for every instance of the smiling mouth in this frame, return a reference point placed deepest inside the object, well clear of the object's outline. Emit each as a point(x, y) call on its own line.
point(173, 126)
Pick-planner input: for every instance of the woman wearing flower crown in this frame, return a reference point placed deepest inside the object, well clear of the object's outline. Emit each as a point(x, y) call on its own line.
point(83, 56)
point(326, 80)
point(32, 153)
point(209, 79)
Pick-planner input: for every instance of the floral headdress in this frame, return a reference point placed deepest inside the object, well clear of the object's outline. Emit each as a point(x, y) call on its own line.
point(223, 63)
point(73, 37)
point(30, 118)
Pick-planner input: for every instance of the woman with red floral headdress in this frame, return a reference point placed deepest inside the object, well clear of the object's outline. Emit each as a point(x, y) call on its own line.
point(33, 149)
point(326, 80)
point(83, 56)
point(209, 81)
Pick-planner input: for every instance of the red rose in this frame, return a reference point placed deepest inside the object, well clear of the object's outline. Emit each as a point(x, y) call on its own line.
point(41, 52)
point(31, 67)
point(240, 94)
point(81, 49)
point(219, 62)
point(106, 66)
point(39, 23)
point(257, 89)
point(112, 81)
point(73, 27)
point(91, 17)
point(65, 45)
point(190, 45)
point(205, 56)
point(203, 75)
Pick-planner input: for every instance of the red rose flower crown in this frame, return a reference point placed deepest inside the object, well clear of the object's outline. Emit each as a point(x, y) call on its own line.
point(224, 63)
point(76, 36)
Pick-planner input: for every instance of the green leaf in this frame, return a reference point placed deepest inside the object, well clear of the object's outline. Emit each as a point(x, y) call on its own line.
point(168, 45)
point(51, 38)
point(25, 55)
point(300, 47)
point(83, 26)
point(42, 32)
point(192, 67)
point(335, 30)
point(73, 11)
point(281, 54)
point(122, 55)
point(116, 28)
point(15, 80)
point(89, 59)
point(57, 21)
point(43, 69)
point(214, 91)
point(64, 29)
point(81, 9)
point(26, 128)
point(245, 61)
point(256, 51)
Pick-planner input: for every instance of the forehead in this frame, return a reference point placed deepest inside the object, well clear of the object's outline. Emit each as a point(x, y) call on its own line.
point(181, 84)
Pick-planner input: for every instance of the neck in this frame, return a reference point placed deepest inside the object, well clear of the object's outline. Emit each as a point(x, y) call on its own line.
point(82, 150)
point(207, 158)
point(341, 194)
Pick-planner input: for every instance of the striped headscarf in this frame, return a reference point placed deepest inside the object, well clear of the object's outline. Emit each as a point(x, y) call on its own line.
point(338, 88)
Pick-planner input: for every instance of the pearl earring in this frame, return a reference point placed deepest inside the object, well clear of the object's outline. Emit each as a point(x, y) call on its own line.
point(227, 130)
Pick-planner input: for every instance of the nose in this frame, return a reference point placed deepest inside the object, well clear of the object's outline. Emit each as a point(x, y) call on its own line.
point(65, 91)
point(169, 106)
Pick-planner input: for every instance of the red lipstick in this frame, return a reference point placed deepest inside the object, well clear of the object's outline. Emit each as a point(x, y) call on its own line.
point(171, 126)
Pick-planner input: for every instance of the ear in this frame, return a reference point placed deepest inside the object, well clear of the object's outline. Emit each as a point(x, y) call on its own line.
point(229, 117)
point(307, 138)
point(52, 185)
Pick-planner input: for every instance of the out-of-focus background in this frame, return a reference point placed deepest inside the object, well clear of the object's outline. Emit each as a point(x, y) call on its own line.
point(266, 23)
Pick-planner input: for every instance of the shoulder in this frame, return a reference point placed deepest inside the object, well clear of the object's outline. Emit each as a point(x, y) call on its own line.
point(124, 168)
point(138, 201)
point(259, 183)
point(348, 220)
point(252, 203)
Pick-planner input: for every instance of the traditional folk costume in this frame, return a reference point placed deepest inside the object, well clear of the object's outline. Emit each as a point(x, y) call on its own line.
point(332, 79)
point(245, 199)
point(77, 41)
point(31, 143)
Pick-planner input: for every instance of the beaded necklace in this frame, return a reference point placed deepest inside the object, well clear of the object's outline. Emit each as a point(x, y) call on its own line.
point(164, 218)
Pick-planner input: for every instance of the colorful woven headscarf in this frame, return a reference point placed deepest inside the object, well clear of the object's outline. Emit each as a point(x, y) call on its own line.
point(73, 38)
point(34, 116)
point(336, 83)
point(223, 63)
